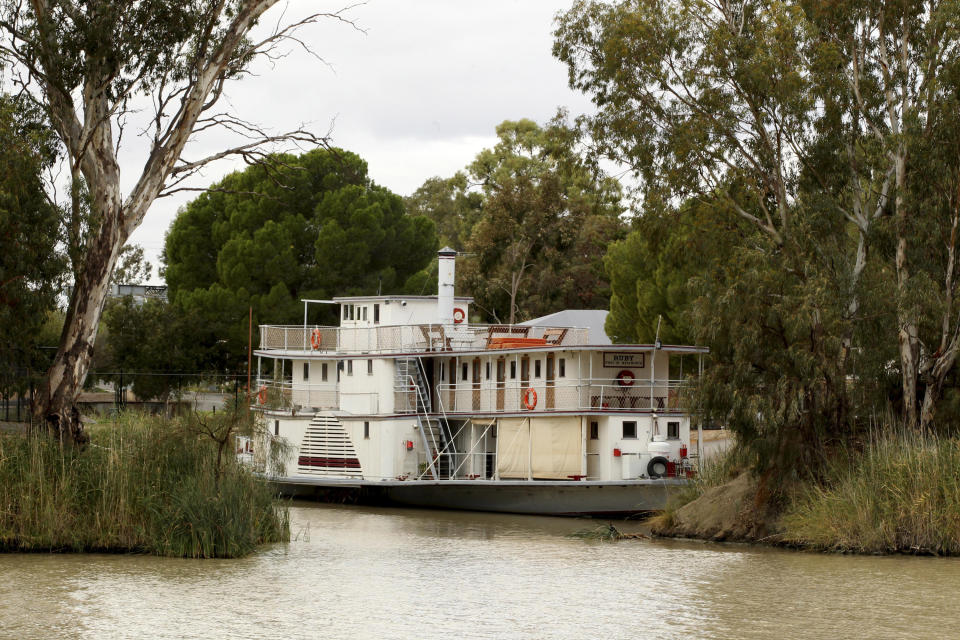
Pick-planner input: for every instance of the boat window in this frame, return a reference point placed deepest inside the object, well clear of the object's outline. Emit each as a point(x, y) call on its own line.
point(673, 430)
point(306, 371)
point(376, 314)
point(513, 369)
point(349, 367)
point(369, 367)
point(562, 365)
point(629, 429)
point(488, 370)
point(346, 312)
point(366, 430)
point(352, 309)
point(276, 427)
point(536, 368)
point(465, 370)
point(323, 372)
point(594, 431)
point(524, 369)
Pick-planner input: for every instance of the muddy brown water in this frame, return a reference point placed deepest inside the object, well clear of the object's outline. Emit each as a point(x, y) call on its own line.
point(358, 572)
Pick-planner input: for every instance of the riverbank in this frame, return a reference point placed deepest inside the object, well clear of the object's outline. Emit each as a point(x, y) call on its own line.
point(142, 485)
point(899, 494)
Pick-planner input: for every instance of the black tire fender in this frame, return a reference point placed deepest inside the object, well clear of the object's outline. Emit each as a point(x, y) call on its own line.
point(653, 465)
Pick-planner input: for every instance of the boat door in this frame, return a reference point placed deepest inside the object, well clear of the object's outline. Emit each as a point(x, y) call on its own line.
point(593, 450)
point(501, 381)
point(551, 391)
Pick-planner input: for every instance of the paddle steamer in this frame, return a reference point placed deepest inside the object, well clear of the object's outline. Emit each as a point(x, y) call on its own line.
point(407, 402)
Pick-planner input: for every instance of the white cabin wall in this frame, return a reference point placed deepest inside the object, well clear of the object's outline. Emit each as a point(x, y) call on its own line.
point(383, 455)
point(364, 393)
point(397, 311)
point(292, 430)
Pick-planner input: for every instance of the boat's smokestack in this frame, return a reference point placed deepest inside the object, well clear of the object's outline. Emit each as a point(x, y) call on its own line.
point(445, 276)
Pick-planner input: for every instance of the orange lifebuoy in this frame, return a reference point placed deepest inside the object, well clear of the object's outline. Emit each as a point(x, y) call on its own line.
point(625, 378)
point(316, 339)
point(262, 394)
point(459, 315)
point(530, 398)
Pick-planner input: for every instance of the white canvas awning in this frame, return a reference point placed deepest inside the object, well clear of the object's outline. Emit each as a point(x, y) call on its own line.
point(539, 447)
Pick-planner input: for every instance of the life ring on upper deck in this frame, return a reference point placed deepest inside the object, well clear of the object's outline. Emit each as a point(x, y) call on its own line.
point(530, 398)
point(316, 339)
point(262, 394)
point(459, 315)
point(625, 378)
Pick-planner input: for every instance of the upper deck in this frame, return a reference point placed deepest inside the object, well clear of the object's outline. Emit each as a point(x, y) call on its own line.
point(301, 340)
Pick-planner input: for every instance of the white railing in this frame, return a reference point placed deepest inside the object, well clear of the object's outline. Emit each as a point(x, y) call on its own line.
point(286, 395)
point(487, 396)
point(418, 338)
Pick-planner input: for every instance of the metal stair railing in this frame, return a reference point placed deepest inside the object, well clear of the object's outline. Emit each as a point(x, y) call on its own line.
point(428, 438)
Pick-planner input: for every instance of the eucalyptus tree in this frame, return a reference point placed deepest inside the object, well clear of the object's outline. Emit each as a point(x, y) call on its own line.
point(546, 219)
point(800, 117)
point(94, 66)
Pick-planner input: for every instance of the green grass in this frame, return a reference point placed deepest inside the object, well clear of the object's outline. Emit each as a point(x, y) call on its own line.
point(901, 493)
point(143, 485)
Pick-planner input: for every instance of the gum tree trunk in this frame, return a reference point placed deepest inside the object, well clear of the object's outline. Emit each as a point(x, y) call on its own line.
point(56, 403)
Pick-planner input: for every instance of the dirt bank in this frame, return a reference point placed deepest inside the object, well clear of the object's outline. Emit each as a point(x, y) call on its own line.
point(724, 513)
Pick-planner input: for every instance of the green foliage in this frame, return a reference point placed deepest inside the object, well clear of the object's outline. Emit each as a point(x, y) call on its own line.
point(144, 486)
point(766, 194)
point(452, 206)
point(152, 336)
point(32, 266)
point(319, 229)
point(832, 133)
point(651, 269)
point(546, 219)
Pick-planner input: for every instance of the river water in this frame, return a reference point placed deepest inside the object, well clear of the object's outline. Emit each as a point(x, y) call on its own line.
point(355, 572)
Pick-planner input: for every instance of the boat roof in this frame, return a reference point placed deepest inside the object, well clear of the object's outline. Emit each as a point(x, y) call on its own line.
point(393, 297)
point(592, 319)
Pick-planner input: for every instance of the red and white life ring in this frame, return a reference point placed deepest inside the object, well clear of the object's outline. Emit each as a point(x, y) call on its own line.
point(530, 398)
point(625, 378)
point(262, 394)
point(459, 315)
point(316, 339)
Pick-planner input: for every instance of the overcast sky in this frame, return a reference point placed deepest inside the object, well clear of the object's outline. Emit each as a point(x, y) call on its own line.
point(417, 94)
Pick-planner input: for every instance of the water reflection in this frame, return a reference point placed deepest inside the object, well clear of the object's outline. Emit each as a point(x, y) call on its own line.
point(380, 573)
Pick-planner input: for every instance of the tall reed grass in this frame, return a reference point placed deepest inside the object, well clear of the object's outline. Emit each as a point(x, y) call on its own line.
point(901, 493)
point(144, 485)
